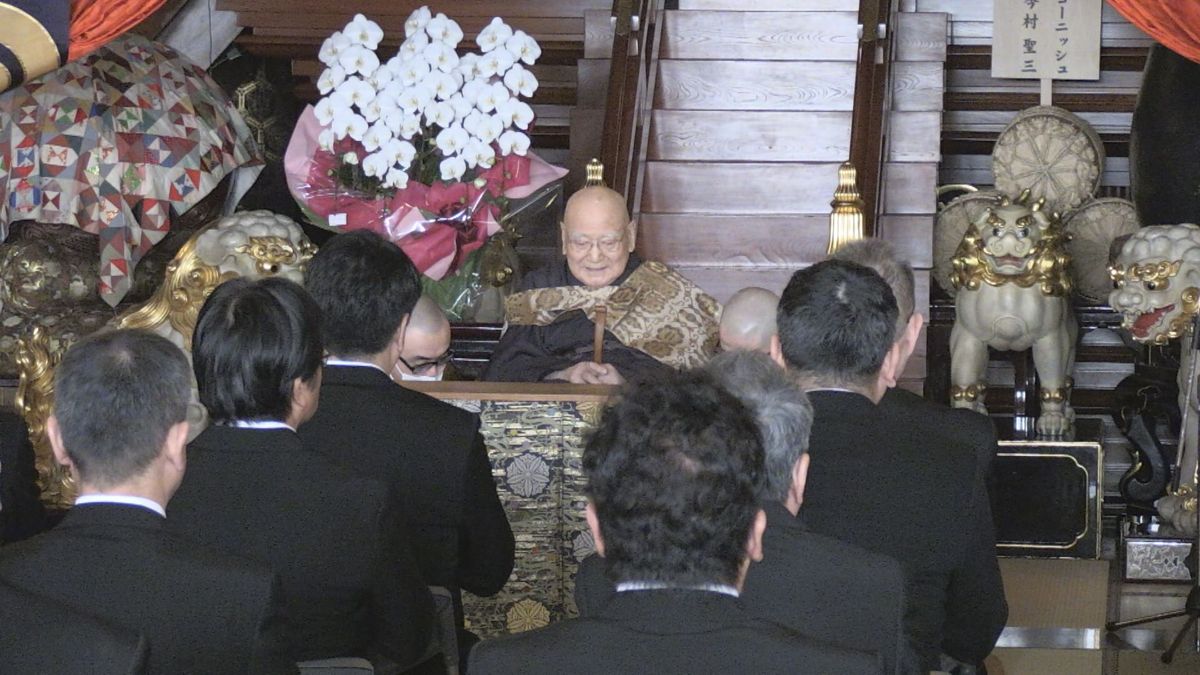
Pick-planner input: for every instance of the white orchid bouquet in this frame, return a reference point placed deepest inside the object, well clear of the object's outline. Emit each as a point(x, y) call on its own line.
point(427, 147)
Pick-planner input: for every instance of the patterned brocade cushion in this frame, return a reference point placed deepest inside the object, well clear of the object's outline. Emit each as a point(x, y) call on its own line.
point(116, 144)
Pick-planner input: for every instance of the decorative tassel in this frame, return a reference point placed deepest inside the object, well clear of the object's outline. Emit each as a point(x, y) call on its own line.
point(846, 221)
point(595, 173)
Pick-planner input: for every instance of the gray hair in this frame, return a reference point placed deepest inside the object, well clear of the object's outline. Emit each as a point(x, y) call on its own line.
point(780, 407)
point(881, 256)
point(116, 395)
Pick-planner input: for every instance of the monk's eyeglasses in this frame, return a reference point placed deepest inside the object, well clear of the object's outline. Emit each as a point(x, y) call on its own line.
point(428, 367)
point(609, 245)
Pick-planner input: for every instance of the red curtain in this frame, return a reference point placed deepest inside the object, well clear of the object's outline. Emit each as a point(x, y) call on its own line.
point(1174, 23)
point(95, 22)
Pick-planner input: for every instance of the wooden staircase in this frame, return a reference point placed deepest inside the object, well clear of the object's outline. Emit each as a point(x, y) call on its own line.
point(750, 119)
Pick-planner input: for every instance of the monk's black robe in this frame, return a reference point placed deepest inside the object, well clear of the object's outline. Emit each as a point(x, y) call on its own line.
point(530, 353)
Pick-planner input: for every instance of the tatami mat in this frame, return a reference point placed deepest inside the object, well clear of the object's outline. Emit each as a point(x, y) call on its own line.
point(1055, 593)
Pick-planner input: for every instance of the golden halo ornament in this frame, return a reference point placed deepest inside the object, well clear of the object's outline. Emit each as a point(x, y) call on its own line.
point(1053, 153)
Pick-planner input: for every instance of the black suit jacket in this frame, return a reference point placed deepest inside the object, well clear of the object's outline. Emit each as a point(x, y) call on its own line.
point(964, 429)
point(43, 636)
point(21, 511)
point(908, 491)
point(667, 631)
point(816, 585)
point(432, 456)
point(200, 611)
point(351, 584)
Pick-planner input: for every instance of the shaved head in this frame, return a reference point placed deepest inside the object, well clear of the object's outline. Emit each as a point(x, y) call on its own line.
point(748, 320)
point(427, 340)
point(597, 235)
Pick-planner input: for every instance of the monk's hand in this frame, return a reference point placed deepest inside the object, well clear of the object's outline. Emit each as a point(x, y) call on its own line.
point(586, 372)
point(604, 373)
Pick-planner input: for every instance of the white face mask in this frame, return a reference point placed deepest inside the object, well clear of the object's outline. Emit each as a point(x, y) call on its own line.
point(397, 373)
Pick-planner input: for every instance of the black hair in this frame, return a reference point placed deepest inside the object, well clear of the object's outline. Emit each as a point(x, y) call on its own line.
point(117, 394)
point(674, 470)
point(364, 286)
point(836, 321)
point(253, 339)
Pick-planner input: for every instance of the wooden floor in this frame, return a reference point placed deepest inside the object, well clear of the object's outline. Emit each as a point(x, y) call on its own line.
point(1057, 611)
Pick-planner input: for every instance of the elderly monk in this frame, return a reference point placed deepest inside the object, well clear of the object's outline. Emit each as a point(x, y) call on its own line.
point(426, 349)
point(654, 318)
point(748, 320)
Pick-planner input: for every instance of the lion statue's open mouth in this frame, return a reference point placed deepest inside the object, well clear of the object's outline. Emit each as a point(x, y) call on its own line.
point(1146, 321)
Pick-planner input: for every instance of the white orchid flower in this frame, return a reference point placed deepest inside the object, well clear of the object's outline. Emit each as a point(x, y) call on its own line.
point(491, 97)
point(453, 168)
point(363, 31)
point(479, 153)
point(462, 107)
point(466, 66)
point(376, 165)
point(355, 91)
point(350, 124)
point(417, 21)
point(350, 158)
point(410, 126)
point(359, 59)
point(415, 70)
point(445, 30)
point(376, 137)
point(523, 47)
point(328, 108)
point(522, 114)
point(472, 88)
point(513, 143)
point(372, 111)
point(494, 35)
point(396, 178)
point(414, 99)
point(413, 46)
point(440, 56)
point(439, 114)
point(331, 78)
point(443, 85)
point(332, 48)
point(495, 62)
point(325, 139)
point(520, 81)
point(400, 152)
point(472, 121)
point(381, 78)
point(489, 129)
point(452, 139)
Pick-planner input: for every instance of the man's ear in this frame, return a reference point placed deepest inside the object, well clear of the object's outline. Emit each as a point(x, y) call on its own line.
point(593, 522)
point(175, 448)
point(305, 396)
point(631, 234)
point(54, 433)
point(775, 351)
point(754, 548)
point(562, 231)
point(912, 332)
point(401, 331)
point(892, 362)
point(799, 480)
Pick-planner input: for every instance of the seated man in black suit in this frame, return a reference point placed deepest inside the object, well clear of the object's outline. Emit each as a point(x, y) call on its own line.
point(823, 588)
point(349, 579)
point(674, 469)
point(120, 424)
point(430, 452)
point(971, 432)
point(43, 636)
point(21, 512)
point(880, 482)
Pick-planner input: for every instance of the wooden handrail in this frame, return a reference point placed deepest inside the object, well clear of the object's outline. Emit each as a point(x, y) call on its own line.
point(630, 94)
point(872, 93)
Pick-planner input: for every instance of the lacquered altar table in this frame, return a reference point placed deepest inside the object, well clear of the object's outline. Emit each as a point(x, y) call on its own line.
point(534, 434)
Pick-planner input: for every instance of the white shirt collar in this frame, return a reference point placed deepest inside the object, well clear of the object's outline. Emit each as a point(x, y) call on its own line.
point(841, 389)
point(724, 589)
point(129, 500)
point(335, 361)
point(261, 424)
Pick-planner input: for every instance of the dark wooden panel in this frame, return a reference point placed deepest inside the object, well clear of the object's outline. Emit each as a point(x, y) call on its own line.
point(769, 36)
point(723, 282)
point(592, 88)
point(756, 137)
point(776, 239)
point(755, 85)
point(751, 188)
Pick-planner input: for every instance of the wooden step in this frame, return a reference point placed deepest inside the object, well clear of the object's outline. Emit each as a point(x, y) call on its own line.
point(772, 5)
point(775, 36)
point(458, 10)
point(787, 86)
point(741, 241)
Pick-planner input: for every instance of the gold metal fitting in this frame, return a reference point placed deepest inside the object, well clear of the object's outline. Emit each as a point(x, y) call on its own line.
point(595, 173)
point(1060, 395)
point(1148, 273)
point(974, 392)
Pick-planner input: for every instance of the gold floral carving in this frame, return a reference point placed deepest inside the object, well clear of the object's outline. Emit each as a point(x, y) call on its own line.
point(35, 400)
point(1149, 273)
point(272, 253)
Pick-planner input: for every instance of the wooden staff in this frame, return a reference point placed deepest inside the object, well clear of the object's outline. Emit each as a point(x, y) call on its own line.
point(598, 337)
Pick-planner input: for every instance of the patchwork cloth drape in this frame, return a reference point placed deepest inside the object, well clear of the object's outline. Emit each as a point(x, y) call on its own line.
point(1174, 23)
point(116, 143)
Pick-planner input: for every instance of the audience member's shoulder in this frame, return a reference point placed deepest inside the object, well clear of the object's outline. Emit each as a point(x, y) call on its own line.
point(882, 567)
point(445, 412)
point(960, 423)
point(207, 564)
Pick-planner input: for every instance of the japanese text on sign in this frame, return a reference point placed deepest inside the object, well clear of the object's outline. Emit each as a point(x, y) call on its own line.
point(1046, 39)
